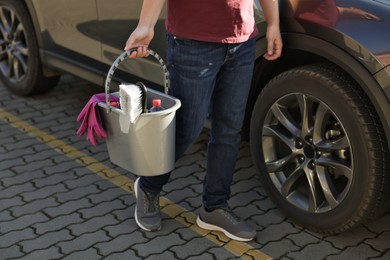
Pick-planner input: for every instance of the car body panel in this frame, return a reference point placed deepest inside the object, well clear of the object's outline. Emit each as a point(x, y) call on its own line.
point(61, 29)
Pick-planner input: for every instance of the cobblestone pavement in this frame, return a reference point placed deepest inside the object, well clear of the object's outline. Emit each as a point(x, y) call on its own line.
point(62, 198)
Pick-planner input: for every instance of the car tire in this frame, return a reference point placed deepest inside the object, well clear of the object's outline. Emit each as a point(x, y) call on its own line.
point(20, 65)
point(320, 149)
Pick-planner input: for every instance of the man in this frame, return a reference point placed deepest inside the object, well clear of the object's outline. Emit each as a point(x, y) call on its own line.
point(210, 56)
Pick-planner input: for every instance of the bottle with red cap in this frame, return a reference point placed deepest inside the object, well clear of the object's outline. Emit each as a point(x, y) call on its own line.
point(156, 105)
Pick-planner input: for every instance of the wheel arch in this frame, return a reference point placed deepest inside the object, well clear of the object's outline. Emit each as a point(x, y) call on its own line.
point(301, 49)
point(39, 37)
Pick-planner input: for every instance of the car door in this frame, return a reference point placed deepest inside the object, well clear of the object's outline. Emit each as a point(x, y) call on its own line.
point(70, 29)
point(117, 20)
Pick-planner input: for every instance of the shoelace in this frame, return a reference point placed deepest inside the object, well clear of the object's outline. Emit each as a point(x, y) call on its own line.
point(231, 215)
point(151, 202)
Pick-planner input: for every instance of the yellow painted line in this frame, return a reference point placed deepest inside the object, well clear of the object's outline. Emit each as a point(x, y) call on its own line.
point(188, 219)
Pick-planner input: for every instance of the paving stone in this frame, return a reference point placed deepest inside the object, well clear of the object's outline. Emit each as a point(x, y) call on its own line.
point(18, 153)
point(245, 186)
point(195, 202)
point(90, 254)
point(76, 194)
point(127, 199)
point(81, 172)
point(21, 145)
point(120, 243)
point(46, 240)
point(318, 251)
point(5, 215)
point(11, 164)
point(11, 252)
point(68, 208)
point(244, 162)
point(43, 118)
point(124, 227)
point(381, 224)
point(273, 216)
point(92, 225)
point(245, 174)
point(22, 222)
point(102, 209)
point(7, 174)
point(275, 232)
point(14, 190)
point(61, 158)
point(9, 202)
point(54, 179)
point(350, 238)
point(193, 247)
point(205, 256)
point(33, 207)
point(180, 195)
point(265, 204)
point(124, 213)
point(187, 233)
point(179, 183)
point(158, 245)
point(359, 252)
point(4, 133)
point(58, 223)
point(23, 178)
point(83, 242)
point(49, 253)
point(383, 256)
point(246, 211)
point(221, 253)
point(189, 160)
point(34, 157)
point(14, 237)
point(130, 254)
point(83, 181)
point(113, 214)
point(44, 192)
point(61, 167)
point(277, 249)
point(303, 238)
point(186, 171)
point(382, 242)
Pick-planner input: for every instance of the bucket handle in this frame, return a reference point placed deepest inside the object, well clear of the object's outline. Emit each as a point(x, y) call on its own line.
point(121, 58)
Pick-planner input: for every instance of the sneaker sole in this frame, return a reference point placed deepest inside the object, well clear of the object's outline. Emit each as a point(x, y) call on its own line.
point(135, 213)
point(211, 227)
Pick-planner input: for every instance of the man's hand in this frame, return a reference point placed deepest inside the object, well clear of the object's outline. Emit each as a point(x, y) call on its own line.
point(140, 39)
point(274, 43)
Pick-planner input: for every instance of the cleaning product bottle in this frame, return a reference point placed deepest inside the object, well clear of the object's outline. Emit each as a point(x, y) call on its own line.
point(156, 105)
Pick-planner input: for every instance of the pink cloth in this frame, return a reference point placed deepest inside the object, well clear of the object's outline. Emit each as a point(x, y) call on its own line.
point(91, 121)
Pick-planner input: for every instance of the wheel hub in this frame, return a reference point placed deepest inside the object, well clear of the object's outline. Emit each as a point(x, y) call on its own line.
point(309, 151)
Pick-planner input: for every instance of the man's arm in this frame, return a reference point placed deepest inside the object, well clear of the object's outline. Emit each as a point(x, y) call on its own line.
point(144, 33)
point(274, 39)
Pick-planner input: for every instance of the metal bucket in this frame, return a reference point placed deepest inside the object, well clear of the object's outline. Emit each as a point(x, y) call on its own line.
point(147, 146)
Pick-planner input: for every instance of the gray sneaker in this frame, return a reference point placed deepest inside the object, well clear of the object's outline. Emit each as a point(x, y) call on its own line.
point(226, 221)
point(147, 211)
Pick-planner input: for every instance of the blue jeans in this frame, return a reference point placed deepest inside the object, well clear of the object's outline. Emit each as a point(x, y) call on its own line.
point(209, 78)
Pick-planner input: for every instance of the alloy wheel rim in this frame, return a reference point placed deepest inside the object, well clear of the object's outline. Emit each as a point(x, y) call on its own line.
point(307, 153)
point(13, 46)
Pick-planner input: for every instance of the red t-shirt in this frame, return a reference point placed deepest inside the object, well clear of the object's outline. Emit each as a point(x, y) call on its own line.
point(323, 12)
point(227, 21)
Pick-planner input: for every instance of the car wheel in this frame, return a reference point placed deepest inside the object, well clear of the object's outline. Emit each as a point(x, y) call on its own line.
point(320, 149)
point(20, 65)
